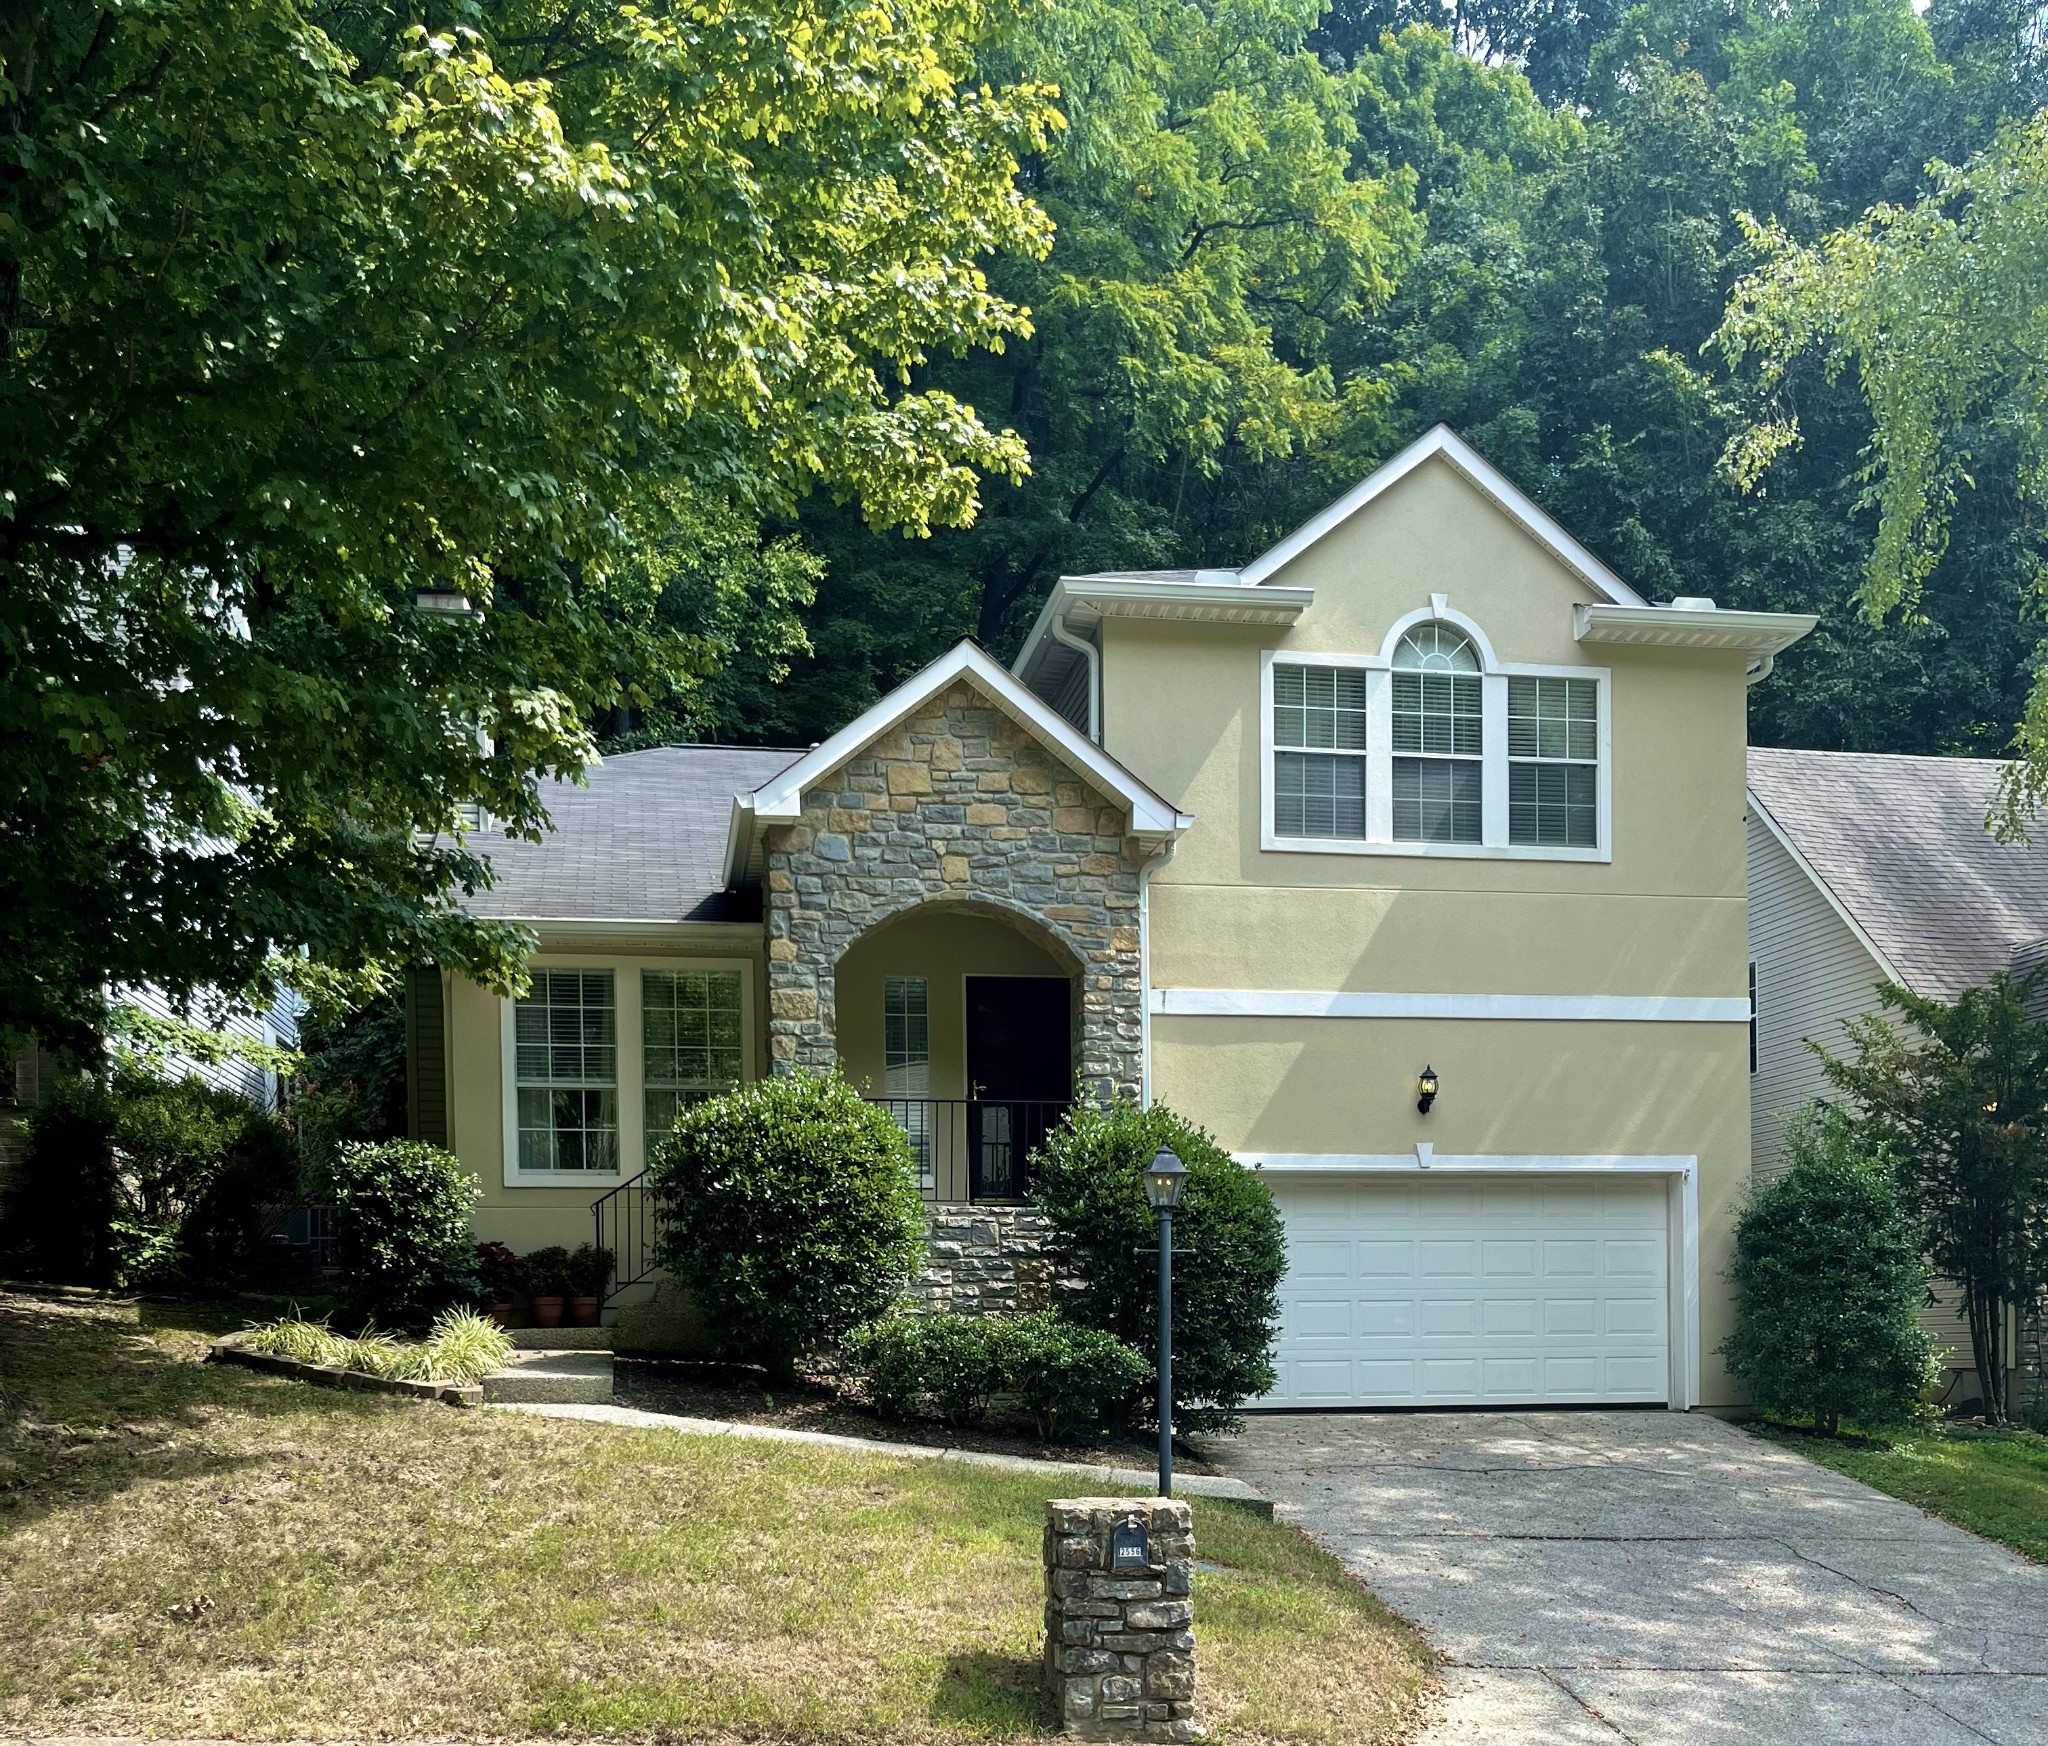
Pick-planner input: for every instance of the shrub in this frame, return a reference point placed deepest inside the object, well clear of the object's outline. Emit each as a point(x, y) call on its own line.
point(547, 1271)
point(1073, 1381)
point(789, 1209)
point(159, 1185)
point(1090, 1184)
point(590, 1271)
point(1828, 1278)
point(402, 1213)
point(947, 1364)
point(58, 1221)
point(499, 1272)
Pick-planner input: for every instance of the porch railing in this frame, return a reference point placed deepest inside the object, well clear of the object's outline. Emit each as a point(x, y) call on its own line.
point(967, 1149)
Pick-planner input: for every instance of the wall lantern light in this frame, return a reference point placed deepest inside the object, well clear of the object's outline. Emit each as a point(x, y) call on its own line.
point(1425, 1088)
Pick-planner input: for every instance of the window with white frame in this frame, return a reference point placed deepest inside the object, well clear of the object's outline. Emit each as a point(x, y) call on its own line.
point(907, 1062)
point(565, 1060)
point(691, 1041)
point(1439, 768)
point(1554, 762)
point(1319, 751)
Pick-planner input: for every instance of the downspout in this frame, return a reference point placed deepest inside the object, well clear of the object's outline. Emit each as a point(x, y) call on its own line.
point(1093, 656)
point(1760, 669)
point(1145, 973)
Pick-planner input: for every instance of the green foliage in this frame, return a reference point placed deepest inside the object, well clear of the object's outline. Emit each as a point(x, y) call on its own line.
point(57, 1220)
point(1960, 1101)
point(306, 305)
point(1073, 1381)
point(350, 1083)
point(1828, 1282)
point(590, 1270)
point(790, 1210)
point(402, 1224)
point(547, 1271)
point(461, 1346)
point(157, 1186)
point(947, 1364)
point(1090, 1182)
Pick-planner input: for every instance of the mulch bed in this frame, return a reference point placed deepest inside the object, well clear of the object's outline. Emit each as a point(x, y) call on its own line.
point(813, 1403)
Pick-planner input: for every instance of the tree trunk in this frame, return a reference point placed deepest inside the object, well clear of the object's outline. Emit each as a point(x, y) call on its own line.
point(1987, 1352)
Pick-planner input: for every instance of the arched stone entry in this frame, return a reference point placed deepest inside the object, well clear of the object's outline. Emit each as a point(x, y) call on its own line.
point(957, 806)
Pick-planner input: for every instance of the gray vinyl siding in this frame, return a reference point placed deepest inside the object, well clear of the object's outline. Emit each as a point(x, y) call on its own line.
point(1812, 974)
point(279, 1026)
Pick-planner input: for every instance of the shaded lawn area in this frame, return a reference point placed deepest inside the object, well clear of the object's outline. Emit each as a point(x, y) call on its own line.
point(1994, 1483)
point(203, 1550)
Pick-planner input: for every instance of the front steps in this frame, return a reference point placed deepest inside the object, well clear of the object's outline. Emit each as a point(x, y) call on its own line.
point(561, 1339)
point(555, 1374)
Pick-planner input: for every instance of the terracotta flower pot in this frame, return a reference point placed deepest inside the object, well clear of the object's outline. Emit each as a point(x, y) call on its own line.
point(583, 1312)
point(501, 1314)
point(547, 1312)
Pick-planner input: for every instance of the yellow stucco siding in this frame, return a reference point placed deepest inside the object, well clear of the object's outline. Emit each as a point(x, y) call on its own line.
point(528, 1215)
point(944, 947)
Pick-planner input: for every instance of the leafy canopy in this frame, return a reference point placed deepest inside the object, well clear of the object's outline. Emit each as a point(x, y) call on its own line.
point(307, 305)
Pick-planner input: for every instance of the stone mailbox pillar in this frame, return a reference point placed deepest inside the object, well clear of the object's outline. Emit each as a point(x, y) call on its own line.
point(1119, 1617)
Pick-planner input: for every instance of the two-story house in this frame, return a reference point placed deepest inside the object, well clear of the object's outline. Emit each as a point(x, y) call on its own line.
point(1407, 859)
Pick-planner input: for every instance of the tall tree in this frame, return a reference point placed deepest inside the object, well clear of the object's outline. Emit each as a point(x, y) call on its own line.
point(306, 306)
point(1960, 1101)
point(1938, 308)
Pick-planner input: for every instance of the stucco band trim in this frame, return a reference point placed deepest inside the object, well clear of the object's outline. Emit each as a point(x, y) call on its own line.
point(1316, 1003)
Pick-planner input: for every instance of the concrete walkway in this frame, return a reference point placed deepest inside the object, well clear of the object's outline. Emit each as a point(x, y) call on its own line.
point(1663, 1579)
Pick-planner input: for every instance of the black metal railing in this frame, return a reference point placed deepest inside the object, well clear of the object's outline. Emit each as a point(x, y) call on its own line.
point(967, 1149)
point(972, 1148)
point(626, 1221)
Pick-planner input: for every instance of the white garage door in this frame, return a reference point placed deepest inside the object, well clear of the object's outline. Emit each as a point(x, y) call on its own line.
point(1472, 1291)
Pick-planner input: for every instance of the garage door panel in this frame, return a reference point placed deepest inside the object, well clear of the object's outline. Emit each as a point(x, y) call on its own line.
point(1406, 1291)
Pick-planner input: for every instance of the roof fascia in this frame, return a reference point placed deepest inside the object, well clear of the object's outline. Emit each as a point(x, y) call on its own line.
point(782, 798)
point(1681, 627)
point(1106, 594)
point(1827, 891)
point(739, 840)
point(1485, 478)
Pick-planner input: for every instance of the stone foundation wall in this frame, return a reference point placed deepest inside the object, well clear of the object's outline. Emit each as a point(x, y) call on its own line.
point(986, 1261)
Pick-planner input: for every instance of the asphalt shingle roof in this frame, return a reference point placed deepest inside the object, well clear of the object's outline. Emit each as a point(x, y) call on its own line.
point(643, 841)
point(1902, 845)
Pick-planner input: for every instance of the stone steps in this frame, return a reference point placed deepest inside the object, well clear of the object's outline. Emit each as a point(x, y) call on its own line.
point(553, 1378)
point(561, 1339)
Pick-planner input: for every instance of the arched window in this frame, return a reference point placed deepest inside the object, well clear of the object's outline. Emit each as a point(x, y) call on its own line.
point(1439, 750)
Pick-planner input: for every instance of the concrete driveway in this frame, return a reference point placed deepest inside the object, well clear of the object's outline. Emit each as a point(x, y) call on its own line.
point(1664, 1579)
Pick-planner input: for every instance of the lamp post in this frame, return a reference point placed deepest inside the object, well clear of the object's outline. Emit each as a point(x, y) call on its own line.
point(1163, 1179)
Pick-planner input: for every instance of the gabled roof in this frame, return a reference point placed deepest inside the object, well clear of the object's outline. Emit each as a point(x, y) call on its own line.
point(782, 797)
point(642, 841)
point(1898, 846)
point(1489, 481)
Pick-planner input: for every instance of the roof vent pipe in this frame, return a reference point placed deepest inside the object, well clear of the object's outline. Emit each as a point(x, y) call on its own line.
point(1093, 656)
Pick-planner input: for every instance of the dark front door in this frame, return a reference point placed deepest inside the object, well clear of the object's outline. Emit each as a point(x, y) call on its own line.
point(1020, 1074)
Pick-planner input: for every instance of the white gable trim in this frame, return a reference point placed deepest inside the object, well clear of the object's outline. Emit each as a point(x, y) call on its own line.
point(781, 799)
point(1485, 478)
point(1827, 891)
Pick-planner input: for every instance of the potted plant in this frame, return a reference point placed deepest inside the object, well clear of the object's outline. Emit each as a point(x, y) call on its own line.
point(590, 1274)
point(499, 1272)
point(547, 1279)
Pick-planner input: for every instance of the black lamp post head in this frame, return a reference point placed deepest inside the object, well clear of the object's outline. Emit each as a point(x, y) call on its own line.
point(1425, 1088)
point(1163, 1179)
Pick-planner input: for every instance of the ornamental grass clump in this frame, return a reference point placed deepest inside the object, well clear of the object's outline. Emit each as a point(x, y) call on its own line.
point(462, 1346)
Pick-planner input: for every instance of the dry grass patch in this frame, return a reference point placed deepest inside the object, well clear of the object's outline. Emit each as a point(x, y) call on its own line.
point(207, 1551)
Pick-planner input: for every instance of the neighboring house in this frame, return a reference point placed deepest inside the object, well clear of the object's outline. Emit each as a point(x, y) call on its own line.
point(1424, 786)
point(1866, 868)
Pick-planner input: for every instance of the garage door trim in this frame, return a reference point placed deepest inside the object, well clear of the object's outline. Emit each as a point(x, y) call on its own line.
point(1682, 1267)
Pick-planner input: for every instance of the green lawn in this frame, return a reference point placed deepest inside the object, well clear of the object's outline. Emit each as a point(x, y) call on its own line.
point(207, 1551)
point(1994, 1483)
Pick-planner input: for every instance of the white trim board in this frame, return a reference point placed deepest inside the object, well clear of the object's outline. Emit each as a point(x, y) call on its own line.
point(1317, 1003)
point(1682, 1214)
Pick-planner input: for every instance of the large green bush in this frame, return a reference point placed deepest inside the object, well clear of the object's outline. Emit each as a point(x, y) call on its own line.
point(790, 1210)
point(946, 1364)
point(1090, 1181)
point(159, 1185)
point(402, 1227)
point(1828, 1277)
